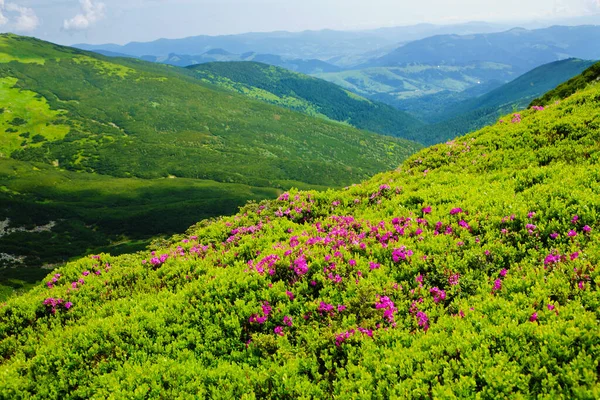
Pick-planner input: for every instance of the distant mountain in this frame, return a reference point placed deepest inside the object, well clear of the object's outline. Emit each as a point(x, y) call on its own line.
point(306, 94)
point(104, 152)
point(478, 112)
point(343, 48)
point(522, 49)
point(181, 60)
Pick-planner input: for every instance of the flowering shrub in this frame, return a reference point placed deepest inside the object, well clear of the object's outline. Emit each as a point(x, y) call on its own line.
point(478, 278)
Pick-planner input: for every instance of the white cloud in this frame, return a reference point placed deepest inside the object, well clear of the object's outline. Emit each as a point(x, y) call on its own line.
point(21, 19)
point(3, 19)
point(90, 13)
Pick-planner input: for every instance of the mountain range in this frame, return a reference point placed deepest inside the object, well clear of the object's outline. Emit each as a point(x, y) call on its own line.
point(337, 46)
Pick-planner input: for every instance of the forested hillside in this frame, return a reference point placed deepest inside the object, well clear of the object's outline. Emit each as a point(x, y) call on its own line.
point(307, 95)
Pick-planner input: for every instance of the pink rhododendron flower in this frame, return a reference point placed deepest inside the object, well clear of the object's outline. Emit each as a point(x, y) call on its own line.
point(533, 317)
point(438, 294)
point(572, 233)
point(453, 279)
point(497, 285)
point(422, 320)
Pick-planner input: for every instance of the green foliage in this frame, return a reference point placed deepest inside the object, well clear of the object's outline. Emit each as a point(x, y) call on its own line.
point(305, 94)
point(451, 282)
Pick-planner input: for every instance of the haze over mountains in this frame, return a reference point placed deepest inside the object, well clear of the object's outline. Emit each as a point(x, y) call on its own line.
point(324, 44)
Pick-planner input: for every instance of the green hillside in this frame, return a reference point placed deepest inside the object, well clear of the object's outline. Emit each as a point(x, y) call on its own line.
point(566, 89)
point(305, 94)
point(468, 272)
point(124, 117)
point(178, 146)
point(470, 115)
point(419, 83)
point(518, 93)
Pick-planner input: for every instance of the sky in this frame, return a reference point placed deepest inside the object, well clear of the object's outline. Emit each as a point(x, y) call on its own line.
point(123, 21)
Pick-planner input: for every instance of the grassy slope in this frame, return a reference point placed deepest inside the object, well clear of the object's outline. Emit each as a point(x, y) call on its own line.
point(130, 119)
point(518, 316)
point(475, 113)
point(305, 94)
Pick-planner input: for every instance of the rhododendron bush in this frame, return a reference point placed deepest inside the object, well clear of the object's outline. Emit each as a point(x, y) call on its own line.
point(472, 269)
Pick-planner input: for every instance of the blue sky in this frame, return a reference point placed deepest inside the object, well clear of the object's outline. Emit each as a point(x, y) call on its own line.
point(121, 21)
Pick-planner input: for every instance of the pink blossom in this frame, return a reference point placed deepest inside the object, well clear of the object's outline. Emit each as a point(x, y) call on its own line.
point(422, 320)
point(373, 265)
point(438, 294)
point(453, 279)
point(533, 317)
point(497, 285)
point(401, 254)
